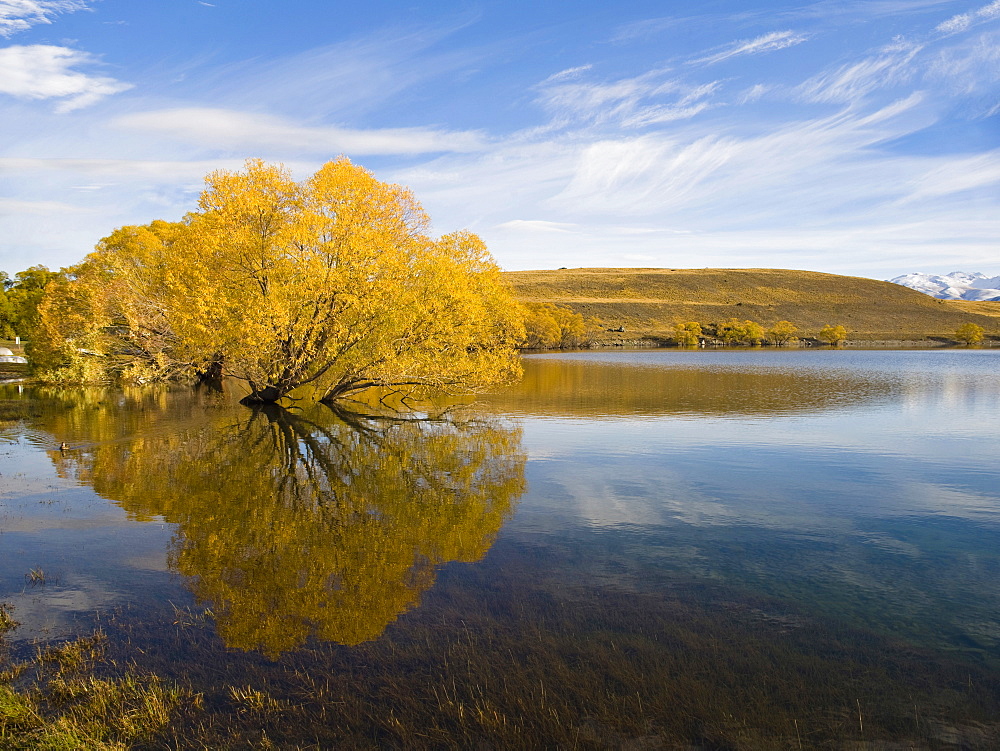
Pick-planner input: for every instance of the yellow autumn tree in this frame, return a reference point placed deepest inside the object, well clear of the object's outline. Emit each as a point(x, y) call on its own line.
point(783, 332)
point(833, 335)
point(110, 315)
point(970, 333)
point(332, 283)
point(19, 298)
point(687, 334)
point(735, 331)
point(549, 326)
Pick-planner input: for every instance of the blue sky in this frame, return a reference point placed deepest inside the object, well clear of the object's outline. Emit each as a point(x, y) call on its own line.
point(850, 136)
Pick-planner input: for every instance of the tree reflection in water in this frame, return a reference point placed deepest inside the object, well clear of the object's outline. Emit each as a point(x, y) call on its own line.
point(309, 523)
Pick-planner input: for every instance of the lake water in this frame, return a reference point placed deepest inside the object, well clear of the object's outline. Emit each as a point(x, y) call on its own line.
point(629, 549)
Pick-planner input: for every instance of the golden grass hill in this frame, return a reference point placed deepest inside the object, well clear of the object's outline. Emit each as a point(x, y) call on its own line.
point(643, 305)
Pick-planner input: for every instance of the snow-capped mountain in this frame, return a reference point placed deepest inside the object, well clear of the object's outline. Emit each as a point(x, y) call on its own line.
point(958, 285)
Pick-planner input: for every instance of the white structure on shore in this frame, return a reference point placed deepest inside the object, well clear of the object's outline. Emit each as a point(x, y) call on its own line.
point(7, 356)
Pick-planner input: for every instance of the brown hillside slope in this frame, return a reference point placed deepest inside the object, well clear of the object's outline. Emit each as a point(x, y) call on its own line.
point(978, 308)
point(648, 302)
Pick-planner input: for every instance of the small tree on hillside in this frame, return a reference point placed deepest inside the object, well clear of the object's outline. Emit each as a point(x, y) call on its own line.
point(687, 334)
point(969, 333)
point(833, 335)
point(783, 332)
point(549, 326)
point(572, 326)
point(734, 331)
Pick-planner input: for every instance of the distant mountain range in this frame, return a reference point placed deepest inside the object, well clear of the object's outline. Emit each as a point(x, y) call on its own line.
point(958, 285)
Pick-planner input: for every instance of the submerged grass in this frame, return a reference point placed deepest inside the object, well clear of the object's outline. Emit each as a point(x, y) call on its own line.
point(7, 622)
point(36, 577)
point(482, 665)
point(487, 665)
point(58, 699)
point(89, 713)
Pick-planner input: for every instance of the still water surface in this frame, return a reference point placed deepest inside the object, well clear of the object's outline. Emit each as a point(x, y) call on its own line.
point(731, 549)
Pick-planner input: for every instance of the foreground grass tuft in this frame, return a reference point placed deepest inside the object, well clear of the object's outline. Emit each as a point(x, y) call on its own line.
point(56, 701)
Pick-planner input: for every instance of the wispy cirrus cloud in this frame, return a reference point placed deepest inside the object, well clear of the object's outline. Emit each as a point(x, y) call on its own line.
point(851, 82)
point(955, 176)
point(539, 225)
point(567, 75)
point(671, 193)
point(21, 15)
point(690, 102)
point(754, 93)
point(857, 11)
point(854, 163)
point(775, 40)
point(348, 79)
point(232, 129)
point(726, 174)
point(964, 21)
point(830, 12)
point(645, 28)
point(647, 99)
point(108, 172)
point(13, 207)
point(972, 70)
point(42, 71)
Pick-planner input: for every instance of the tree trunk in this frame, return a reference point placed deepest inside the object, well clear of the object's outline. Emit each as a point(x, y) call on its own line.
point(212, 374)
point(265, 395)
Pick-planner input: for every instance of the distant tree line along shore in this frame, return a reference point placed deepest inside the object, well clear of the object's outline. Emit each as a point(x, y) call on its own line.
point(736, 332)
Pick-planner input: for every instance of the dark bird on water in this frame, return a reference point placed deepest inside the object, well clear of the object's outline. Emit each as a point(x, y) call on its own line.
point(64, 446)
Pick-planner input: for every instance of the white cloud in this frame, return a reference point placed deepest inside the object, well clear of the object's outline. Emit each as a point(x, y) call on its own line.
point(969, 68)
point(14, 207)
point(234, 130)
point(875, 248)
point(537, 225)
point(704, 182)
point(854, 81)
point(776, 40)
point(116, 171)
point(859, 11)
point(754, 93)
point(20, 15)
point(964, 21)
point(805, 168)
point(663, 114)
point(629, 102)
point(42, 71)
point(816, 194)
point(347, 80)
point(567, 74)
point(955, 24)
point(645, 28)
point(636, 176)
point(593, 100)
point(956, 176)
point(829, 12)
